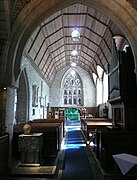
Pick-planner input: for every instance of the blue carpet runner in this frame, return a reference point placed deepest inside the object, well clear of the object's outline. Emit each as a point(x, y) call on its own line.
point(77, 165)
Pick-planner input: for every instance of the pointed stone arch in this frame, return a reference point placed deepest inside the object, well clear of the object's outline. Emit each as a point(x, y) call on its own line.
point(22, 110)
point(35, 11)
point(68, 72)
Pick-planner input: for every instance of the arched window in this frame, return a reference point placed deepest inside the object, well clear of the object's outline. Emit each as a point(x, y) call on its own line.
point(79, 100)
point(75, 100)
point(65, 91)
point(65, 100)
point(70, 100)
point(79, 91)
point(72, 88)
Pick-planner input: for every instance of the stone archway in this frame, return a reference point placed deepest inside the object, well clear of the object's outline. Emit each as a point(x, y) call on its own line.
point(35, 11)
point(22, 110)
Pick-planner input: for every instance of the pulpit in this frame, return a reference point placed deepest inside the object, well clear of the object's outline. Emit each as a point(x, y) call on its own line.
point(30, 146)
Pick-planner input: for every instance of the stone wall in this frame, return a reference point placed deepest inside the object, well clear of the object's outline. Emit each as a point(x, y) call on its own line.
point(89, 93)
point(34, 78)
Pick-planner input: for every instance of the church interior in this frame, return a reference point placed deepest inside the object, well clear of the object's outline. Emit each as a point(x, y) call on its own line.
point(68, 89)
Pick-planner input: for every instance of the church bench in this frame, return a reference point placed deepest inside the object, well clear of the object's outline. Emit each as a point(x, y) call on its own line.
point(89, 125)
point(48, 120)
point(52, 137)
point(41, 127)
point(114, 142)
point(51, 120)
point(4, 156)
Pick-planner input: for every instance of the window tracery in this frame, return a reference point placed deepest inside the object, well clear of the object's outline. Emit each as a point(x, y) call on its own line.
point(72, 90)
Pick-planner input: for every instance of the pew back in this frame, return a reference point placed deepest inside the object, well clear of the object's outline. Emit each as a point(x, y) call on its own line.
point(52, 137)
point(111, 143)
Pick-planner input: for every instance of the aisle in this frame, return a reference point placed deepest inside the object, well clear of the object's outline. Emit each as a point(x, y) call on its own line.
point(77, 166)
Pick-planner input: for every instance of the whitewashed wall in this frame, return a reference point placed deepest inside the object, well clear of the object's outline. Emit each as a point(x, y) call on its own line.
point(35, 79)
point(88, 88)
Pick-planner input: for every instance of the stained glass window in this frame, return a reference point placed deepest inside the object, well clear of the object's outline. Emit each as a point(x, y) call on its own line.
point(65, 91)
point(65, 100)
point(79, 100)
point(70, 100)
point(79, 91)
point(75, 100)
point(72, 90)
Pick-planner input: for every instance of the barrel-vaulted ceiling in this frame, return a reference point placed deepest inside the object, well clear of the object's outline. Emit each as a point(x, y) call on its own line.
point(50, 45)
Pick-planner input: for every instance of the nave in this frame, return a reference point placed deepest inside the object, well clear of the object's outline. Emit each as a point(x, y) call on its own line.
point(75, 161)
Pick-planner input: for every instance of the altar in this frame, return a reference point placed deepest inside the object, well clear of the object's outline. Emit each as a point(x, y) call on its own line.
point(30, 146)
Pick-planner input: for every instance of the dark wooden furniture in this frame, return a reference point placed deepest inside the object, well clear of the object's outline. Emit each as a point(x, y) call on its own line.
point(90, 125)
point(4, 156)
point(123, 89)
point(52, 137)
point(52, 120)
point(108, 143)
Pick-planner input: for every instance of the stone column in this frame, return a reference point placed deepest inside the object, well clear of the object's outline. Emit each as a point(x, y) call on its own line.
point(3, 96)
point(99, 91)
point(10, 117)
point(119, 41)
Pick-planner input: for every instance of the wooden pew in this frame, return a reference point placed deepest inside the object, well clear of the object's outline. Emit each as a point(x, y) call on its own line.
point(89, 125)
point(52, 137)
point(4, 156)
point(116, 142)
point(52, 120)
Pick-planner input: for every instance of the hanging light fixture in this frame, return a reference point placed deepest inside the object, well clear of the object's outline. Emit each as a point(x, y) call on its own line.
point(73, 64)
point(74, 53)
point(75, 35)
